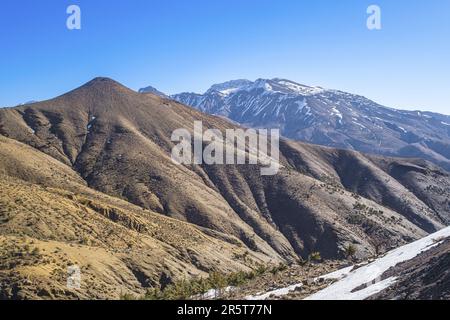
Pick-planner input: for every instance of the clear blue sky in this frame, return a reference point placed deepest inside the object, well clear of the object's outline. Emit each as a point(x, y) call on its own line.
point(187, 45)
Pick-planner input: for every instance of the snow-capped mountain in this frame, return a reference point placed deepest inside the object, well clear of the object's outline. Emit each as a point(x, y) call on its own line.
point(328, 117)
point(229, 87)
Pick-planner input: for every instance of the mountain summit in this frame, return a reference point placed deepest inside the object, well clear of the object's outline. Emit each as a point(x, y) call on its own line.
point(153, 90)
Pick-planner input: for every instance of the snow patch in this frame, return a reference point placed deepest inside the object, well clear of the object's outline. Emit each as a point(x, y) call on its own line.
point(359, 124)
point(336, 112)
point(370, 274)
point(337, 275)
point(300, 106)
point(227, 92)
point(277, 293)
point(300, 89)
point(89, 126)
point(213, 293)
point(374, 289)
point(368, 277)
point(403, 129)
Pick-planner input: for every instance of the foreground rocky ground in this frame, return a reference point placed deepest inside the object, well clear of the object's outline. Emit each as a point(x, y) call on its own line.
point(417, 271)
point(307, 275)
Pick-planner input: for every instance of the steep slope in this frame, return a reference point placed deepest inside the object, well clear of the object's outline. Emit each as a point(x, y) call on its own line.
point(426, 277)
point(418, 270)
point(50, 220)
point(414, 271)
point(321, 200)
point(328, 117)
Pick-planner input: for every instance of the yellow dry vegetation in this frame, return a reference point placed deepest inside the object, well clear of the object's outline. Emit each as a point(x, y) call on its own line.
point(51, 221)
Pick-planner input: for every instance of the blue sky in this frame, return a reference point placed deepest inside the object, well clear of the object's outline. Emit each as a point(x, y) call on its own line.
point(187, 45)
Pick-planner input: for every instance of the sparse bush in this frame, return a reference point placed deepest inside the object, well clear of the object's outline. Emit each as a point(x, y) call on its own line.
point(359, 206)
point(186, 289)
point(85, 241)
point(127, 296)
point(217, 280)
point(355, 219)
point(350, 251)
point(36, 252)
point(315, 257)
point(261, 269)
point(280, 268)
point(239, 278)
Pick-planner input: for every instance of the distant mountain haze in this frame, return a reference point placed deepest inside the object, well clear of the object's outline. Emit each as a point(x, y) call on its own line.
point(150, 89)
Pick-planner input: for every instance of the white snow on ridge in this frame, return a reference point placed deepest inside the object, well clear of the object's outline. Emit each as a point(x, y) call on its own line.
point(227, 92)
point(336, 112)
point(229, 87)
point(300, 105)
point(300, 89)
point(445, 123)
point(369, 276)
point(337, 275)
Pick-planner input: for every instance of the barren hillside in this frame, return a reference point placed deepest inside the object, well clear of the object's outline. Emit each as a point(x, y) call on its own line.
point(50, 220)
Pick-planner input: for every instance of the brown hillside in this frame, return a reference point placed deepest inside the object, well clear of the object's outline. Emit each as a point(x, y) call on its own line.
point(49, 220)
point(321, 200)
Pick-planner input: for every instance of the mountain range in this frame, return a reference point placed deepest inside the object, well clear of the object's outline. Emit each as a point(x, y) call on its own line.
point(328, 117)
point(87, 180)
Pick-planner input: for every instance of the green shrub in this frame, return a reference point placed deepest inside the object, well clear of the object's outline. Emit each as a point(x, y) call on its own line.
point(280, 268)
point(315, 257)
point(186, 289)
point(36, 252)
point(350, 251)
